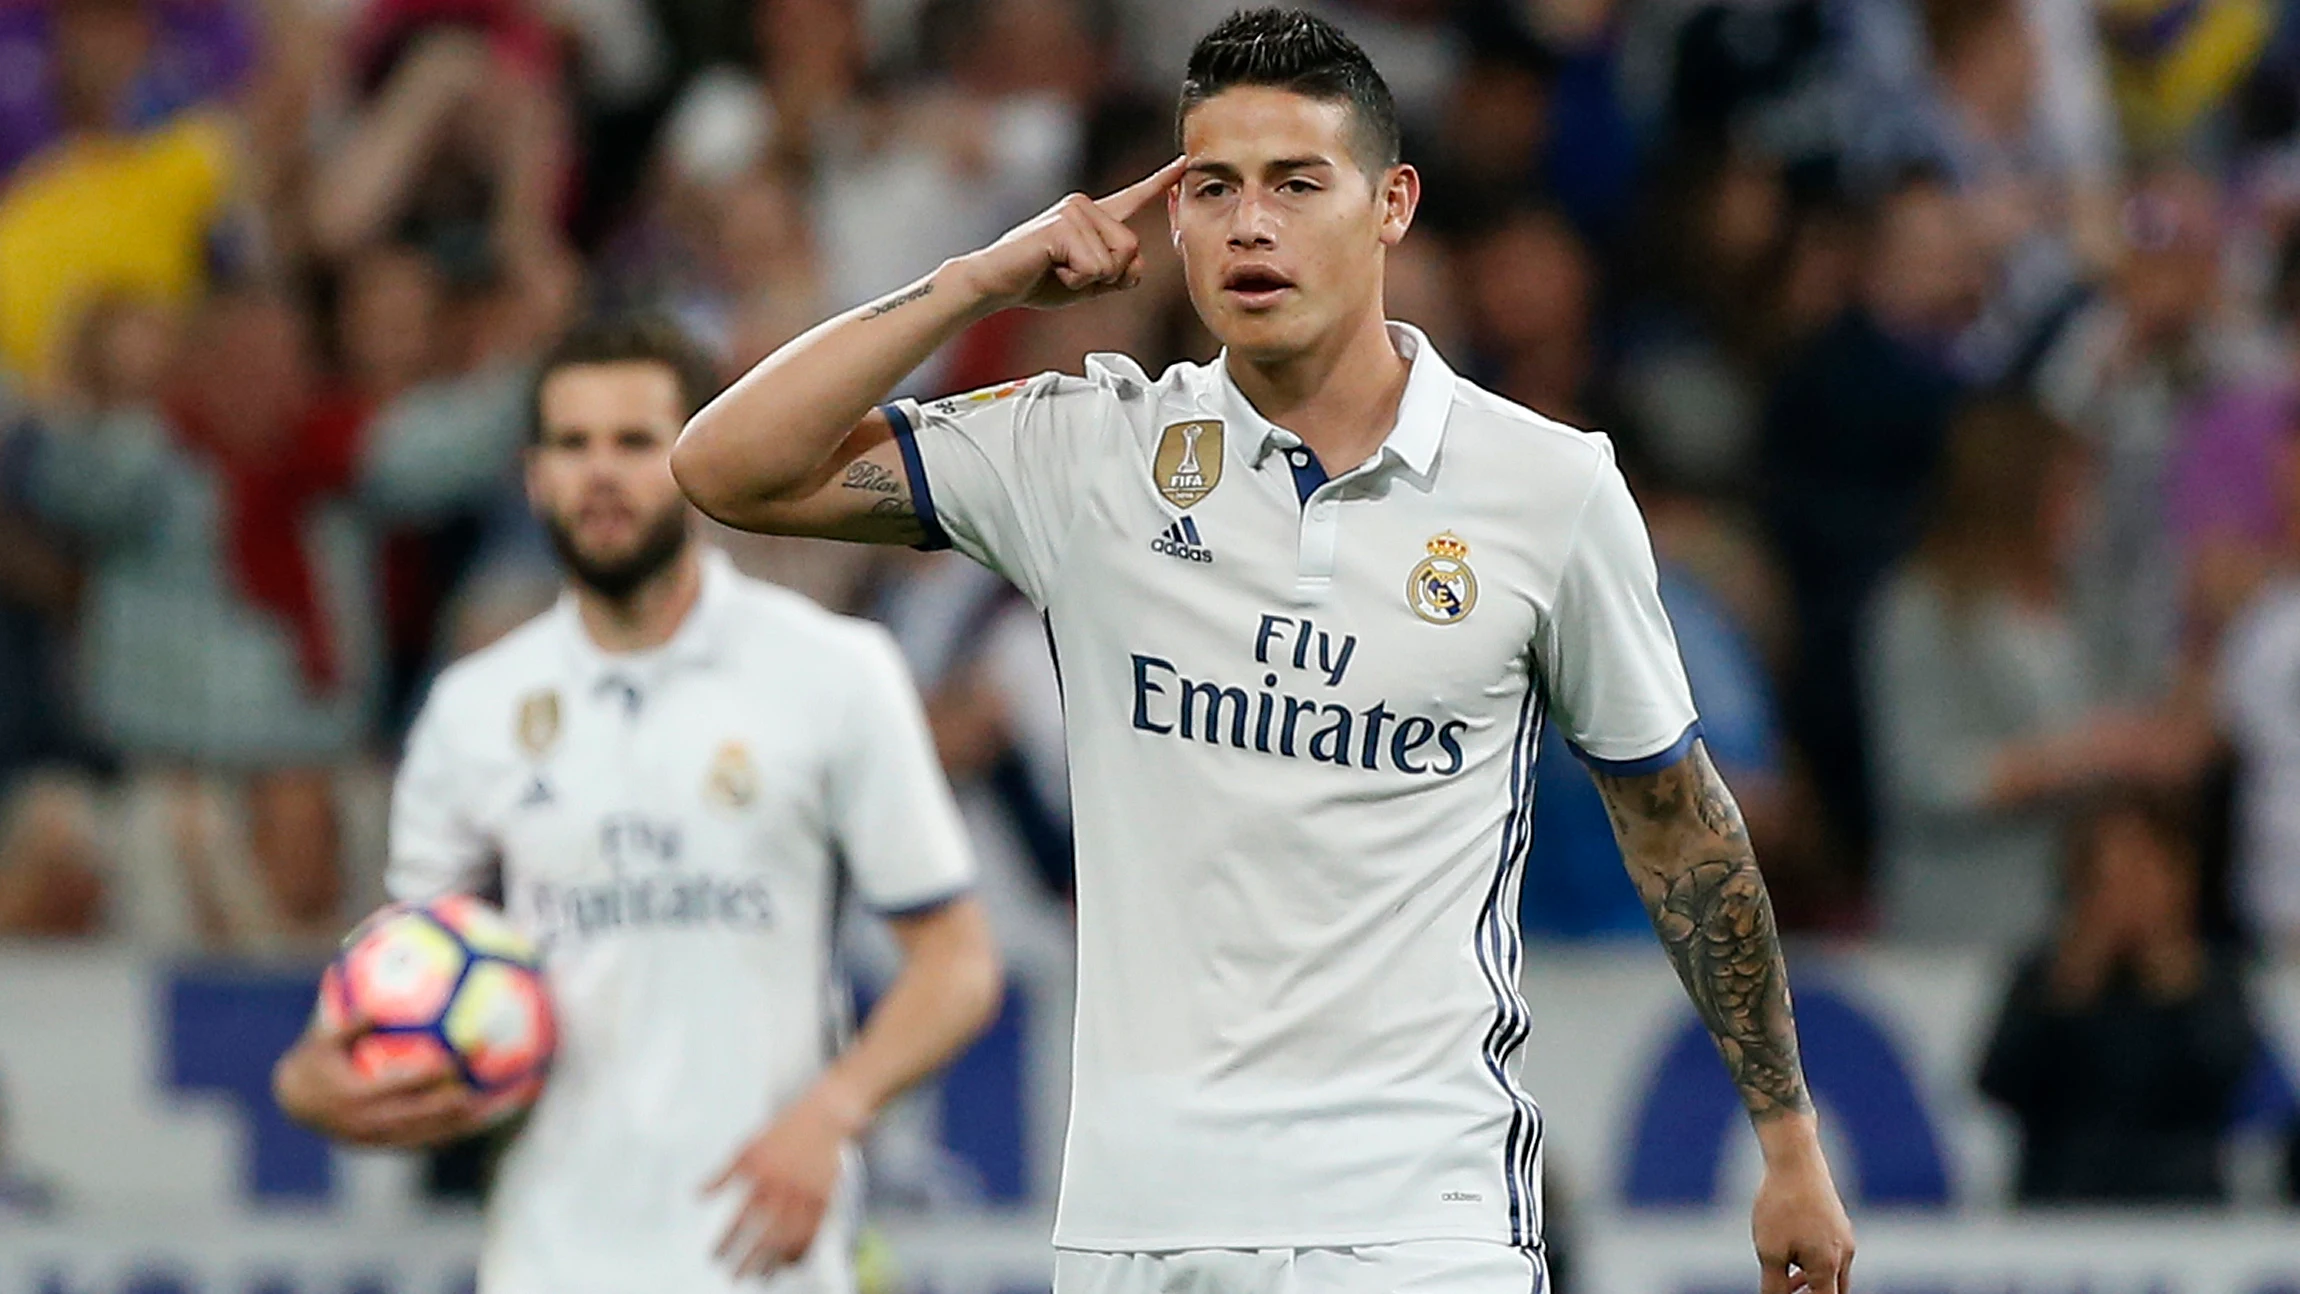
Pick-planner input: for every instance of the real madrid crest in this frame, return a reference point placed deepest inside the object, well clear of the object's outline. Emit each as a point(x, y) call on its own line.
point(733, 781)
point(538, 724)
point(1442, 588)
point(1189, 461)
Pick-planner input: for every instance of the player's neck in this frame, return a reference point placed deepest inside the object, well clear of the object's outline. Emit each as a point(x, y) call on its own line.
point(1340, 397)
point(648, 615)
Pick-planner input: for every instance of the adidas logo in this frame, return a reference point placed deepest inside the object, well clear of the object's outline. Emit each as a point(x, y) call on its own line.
point(1181, 540)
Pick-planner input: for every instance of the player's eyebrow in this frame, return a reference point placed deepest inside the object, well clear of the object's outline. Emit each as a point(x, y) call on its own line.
point(1276, 166)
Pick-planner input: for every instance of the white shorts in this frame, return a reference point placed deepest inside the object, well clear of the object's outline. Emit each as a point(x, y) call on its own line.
point(1413, 1267)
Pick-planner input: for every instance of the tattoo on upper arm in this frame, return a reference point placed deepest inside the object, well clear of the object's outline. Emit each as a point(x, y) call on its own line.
point(898, 300)
point(872, 478)
point(862, 474)
point(1685, 845)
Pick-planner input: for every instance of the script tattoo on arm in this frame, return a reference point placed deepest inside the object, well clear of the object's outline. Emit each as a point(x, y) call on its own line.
point(1684, 843)
point(898, 300)
point(873, 478)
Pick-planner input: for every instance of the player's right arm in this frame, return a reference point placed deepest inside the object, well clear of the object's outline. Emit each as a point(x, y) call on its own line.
point(318, 1086)
point(794, 446)
point(435, 849)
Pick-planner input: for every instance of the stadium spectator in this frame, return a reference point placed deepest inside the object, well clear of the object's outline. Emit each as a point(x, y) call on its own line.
point(173, 54)
point(1487, 157)
point(1987, 717)
point(2258, 705)
point(459, 147)
point(2127, 372)
point(1851, 434)
point(2122, 1042)
point(1702, 319)
point(1530, 287)
point(231, 626)
point(2179, 66)
point(51, 865)
point(107, 206)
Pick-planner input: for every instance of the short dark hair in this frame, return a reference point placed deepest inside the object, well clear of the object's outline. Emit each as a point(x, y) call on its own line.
point(1301, 52)
point(627, 339)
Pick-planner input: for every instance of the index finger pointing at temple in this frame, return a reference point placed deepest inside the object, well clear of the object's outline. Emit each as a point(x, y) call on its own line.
point(1123, 204)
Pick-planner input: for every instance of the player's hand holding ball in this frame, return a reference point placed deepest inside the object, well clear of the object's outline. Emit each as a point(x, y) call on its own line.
point(432, 1023)
point(1074, 250)
point(786, 1175)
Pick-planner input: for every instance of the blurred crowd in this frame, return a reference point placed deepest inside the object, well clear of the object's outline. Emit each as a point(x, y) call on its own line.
point(1953, 347)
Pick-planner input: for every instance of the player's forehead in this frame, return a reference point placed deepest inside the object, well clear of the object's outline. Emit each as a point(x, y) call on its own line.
point(1249, 129)
point(620, 393)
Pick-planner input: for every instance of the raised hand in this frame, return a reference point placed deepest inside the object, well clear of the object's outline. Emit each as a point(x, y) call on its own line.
point(1076, 249)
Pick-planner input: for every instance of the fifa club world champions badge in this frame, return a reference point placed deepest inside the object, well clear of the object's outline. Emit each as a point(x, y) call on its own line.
point(1442, 588)
point(1189, 462)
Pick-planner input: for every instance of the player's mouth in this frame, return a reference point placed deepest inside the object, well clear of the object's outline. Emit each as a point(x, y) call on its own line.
point(606, 522)
point(1256, 287)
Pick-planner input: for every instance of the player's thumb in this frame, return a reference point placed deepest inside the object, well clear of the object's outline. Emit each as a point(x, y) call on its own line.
point(346, 1029)
point(725, 1177)
point(1773, 1274)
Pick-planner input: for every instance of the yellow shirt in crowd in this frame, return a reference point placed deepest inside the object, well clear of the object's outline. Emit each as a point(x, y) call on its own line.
point(98, 214)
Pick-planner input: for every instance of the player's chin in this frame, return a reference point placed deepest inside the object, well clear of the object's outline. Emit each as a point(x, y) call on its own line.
point(1271, 333)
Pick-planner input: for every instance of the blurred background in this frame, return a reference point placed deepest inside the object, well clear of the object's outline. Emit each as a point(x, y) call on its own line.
point(1953, 347)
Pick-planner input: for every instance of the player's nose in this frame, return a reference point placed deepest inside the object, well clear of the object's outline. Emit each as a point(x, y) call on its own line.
point(1253, 226)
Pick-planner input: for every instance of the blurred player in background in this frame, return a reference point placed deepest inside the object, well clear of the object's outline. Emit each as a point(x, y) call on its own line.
point(1311, 604)
point(674, 776)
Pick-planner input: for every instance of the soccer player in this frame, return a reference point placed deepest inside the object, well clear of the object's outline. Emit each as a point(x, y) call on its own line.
point(1311, 604)
point(674, 775)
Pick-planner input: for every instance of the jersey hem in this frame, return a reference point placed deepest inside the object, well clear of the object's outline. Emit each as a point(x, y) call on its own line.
point(1268, 1240)
point(1639, 767)
point(914, 467)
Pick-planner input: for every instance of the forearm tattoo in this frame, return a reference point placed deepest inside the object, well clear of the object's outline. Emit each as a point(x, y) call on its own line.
point(1686, 848)
point(898, 300)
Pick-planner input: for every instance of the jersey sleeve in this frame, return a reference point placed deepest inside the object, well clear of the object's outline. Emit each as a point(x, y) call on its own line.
point(997, 474)
point(436, 846)
point(891, 811)
point(1616, 685)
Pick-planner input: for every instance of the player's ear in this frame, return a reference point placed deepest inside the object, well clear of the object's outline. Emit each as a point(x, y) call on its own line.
point(531, 475)
point(1400, 193)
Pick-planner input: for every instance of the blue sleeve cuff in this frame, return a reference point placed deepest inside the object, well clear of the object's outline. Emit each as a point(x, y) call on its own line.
point(926, 906)
point(921, 495)
point(1652, 763)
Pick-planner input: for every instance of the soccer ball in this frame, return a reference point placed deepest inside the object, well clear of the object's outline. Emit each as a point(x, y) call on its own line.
point(446, 986)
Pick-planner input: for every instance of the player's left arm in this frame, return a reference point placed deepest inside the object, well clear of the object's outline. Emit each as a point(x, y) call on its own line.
point(904, 847)
point(1686, 848)
point(944, 995)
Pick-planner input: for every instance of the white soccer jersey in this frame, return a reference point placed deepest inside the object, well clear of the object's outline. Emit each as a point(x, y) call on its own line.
point(2260, 711)
point(676, 828)
point(1302, 715)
